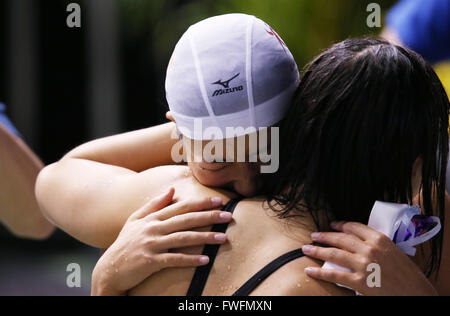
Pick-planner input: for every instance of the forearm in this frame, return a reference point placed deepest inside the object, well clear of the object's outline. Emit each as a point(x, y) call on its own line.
point(91, 192)
point(85, 199)
point(19, 168)
point(101, 284)
point(136, 151)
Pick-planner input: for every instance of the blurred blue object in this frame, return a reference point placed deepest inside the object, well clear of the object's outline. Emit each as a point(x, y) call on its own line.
point(4, 120)
point(423, 26)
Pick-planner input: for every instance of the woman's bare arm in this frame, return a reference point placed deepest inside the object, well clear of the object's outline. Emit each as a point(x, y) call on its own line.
point(137, 151)
point(19, 168)
point(91, 201)
point(90, 192)
point(442, 283)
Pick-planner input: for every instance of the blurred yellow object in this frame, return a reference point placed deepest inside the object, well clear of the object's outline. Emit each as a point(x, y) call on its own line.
point(443, 71)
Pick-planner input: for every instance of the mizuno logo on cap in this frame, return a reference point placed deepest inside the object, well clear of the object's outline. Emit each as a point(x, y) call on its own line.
point(226, 85)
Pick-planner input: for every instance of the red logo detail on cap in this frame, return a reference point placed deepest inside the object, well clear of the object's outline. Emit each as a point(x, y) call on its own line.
point(272, 32)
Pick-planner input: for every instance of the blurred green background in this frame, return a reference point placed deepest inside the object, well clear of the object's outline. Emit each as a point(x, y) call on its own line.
point(307, 26)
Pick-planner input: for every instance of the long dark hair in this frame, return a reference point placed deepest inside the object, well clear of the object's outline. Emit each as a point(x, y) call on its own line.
point(364, 112)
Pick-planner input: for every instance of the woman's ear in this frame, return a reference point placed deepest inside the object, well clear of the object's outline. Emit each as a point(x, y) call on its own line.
point(170, 117)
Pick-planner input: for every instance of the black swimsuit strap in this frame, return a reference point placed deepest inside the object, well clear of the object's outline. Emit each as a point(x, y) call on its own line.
point(259, 277)
point(202, 273)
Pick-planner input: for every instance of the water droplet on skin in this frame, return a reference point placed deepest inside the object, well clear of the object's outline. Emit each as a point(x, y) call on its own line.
point(126, 259)
point(221, 288)
point(299, 285)
point(188, 173)
point(229, 268)
point(307, 280)
point(117, 270)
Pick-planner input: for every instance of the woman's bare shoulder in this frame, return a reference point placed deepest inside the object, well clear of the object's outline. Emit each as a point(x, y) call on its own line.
point(291, 280)
point(170, 172)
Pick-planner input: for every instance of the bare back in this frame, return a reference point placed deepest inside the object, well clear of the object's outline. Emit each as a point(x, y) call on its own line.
point(256, 237)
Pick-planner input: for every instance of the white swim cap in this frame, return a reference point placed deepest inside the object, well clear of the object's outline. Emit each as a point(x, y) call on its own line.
point(230, 71)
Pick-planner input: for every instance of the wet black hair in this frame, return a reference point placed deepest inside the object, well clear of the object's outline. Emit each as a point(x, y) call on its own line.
point(363, 113)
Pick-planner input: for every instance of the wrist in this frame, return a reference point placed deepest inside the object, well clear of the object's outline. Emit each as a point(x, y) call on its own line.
point(102, 282)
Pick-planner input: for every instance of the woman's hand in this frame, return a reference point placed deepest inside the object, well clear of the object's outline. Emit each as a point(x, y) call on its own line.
point(142, 247)
point(357, 246)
